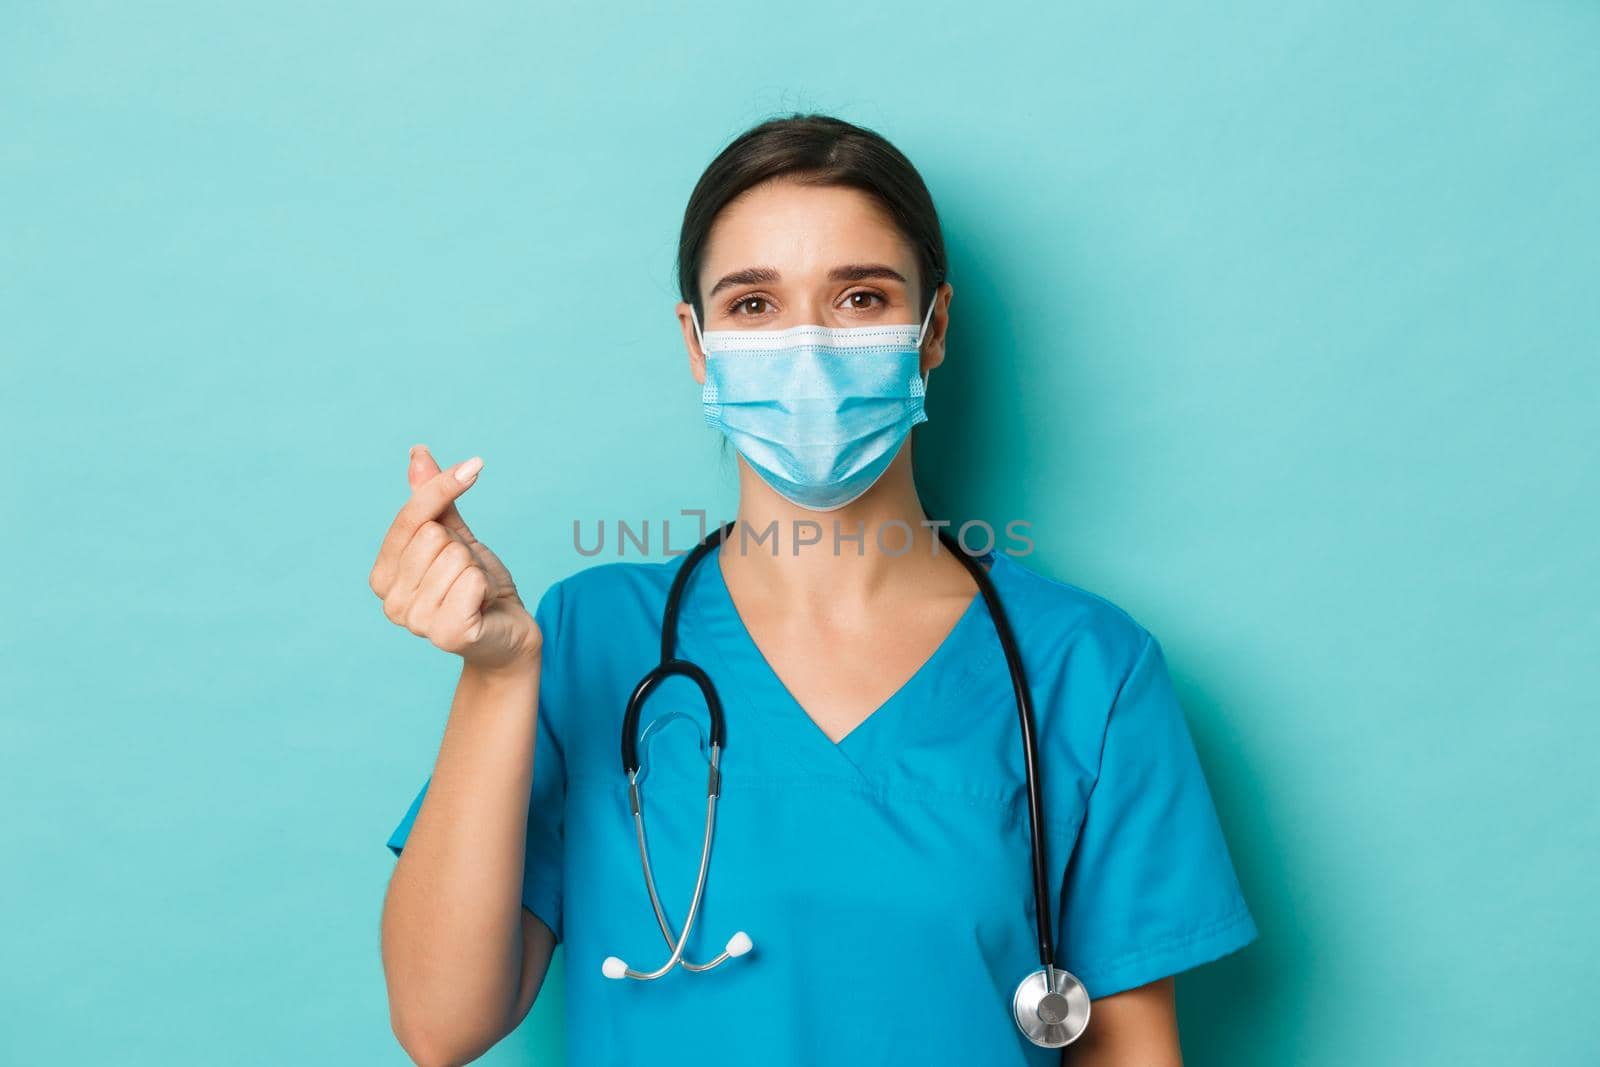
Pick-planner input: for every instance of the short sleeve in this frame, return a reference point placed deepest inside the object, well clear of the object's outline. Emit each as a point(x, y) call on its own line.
point(542, 867)
point(1150, 887)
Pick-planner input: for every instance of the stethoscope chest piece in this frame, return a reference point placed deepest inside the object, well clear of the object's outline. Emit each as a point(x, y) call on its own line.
point(1055, 1017)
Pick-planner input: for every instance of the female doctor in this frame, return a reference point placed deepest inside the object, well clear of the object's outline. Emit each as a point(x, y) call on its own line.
point(887, 877)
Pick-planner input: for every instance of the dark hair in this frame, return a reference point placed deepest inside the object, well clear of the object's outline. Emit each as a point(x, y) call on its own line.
point(814, 150)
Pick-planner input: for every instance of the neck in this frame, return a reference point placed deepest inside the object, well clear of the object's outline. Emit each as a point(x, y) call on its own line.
point(873, 547)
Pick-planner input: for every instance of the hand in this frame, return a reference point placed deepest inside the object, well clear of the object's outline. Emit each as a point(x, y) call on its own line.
point(440, 582)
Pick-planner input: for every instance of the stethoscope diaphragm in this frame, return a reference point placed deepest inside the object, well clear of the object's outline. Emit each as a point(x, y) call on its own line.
point(1051, 1017)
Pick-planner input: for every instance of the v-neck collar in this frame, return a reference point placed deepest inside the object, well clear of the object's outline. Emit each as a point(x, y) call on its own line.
point(763, 698)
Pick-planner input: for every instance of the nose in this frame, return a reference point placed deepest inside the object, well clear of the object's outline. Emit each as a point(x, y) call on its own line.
point(811, 312)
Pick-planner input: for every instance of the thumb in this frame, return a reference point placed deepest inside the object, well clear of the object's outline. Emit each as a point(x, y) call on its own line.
point(419, 471)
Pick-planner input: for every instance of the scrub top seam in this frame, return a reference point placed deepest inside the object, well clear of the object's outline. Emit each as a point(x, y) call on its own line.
point(1235, 917)
point(1111, 709)
point(1015, 808)
point(1067, 710)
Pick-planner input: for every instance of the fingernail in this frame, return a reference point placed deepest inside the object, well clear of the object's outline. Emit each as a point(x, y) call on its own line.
point(465, 472)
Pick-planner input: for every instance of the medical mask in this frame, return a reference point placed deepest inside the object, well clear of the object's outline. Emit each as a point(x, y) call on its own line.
point(817, 411)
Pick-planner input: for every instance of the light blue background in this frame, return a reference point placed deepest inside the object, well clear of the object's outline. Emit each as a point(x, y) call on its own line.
point(1277, 322)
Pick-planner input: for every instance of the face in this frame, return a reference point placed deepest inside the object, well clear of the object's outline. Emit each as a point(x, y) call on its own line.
point(784, 254)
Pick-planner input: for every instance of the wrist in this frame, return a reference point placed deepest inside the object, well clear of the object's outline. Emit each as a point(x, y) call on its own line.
point(520, 671)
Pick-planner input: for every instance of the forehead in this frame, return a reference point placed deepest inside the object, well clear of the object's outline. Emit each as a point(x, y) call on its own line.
point(803, 230)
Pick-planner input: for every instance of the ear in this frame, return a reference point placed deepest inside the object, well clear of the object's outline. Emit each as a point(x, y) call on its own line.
point(697, 358)
point(933, 340)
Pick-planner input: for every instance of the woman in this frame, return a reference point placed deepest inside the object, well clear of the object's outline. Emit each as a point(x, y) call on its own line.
point(873, 834)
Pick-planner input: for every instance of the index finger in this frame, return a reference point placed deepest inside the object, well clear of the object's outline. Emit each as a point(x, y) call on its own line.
point(428, 501)
point(419, 469)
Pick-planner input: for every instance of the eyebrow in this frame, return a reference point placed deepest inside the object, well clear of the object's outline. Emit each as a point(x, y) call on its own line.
point(850, 272)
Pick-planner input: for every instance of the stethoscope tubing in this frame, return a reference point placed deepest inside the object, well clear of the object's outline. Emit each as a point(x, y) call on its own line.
point(1051, 1006)
point(699, 882)
point(655, 898)
point(1030, 748)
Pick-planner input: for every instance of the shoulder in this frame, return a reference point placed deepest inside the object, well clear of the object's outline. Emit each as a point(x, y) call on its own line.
point(1055, 615)
point(1082, 654)
point(605, 594)
point(602, 630)
point(1080, 649)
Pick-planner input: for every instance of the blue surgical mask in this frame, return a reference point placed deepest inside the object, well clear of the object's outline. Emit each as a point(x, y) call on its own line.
point(817, 411)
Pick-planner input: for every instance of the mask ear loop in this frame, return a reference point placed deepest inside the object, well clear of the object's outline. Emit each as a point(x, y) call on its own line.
point(923, 333)
point(925, 320)
point(698, 336)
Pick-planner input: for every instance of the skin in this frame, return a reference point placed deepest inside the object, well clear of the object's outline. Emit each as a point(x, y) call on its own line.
point(463, 960)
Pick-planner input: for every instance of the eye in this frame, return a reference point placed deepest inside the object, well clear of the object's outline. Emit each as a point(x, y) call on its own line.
point(861, 300)
point(742, 306)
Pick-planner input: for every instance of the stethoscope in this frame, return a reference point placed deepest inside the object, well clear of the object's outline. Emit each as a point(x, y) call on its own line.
point(1051, 1006)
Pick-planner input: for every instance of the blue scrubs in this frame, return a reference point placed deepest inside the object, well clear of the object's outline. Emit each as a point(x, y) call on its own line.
point(884, 880)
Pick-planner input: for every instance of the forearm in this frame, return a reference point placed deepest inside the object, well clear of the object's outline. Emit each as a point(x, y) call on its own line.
point(451, 928)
